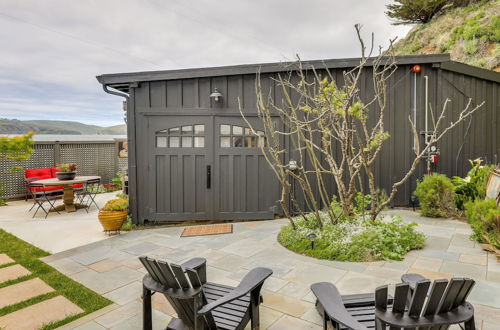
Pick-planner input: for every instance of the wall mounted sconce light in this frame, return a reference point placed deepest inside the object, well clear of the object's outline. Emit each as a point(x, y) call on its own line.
point(216, 95)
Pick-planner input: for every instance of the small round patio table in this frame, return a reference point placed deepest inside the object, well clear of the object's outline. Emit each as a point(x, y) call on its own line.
point(69, 194)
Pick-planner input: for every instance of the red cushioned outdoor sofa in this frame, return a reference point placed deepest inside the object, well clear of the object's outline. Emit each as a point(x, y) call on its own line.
point(34, 174)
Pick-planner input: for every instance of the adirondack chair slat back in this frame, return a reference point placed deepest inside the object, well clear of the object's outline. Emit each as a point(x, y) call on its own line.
point(451, 294)
point(435, 296)
point(181, 277)
point(400, 295)
point(196, 282)
point(464, 292)
point(381, 297)
point(418, 298)
point(168, 274)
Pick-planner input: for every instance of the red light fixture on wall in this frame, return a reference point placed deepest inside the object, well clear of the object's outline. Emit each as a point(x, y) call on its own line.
point(416, 68)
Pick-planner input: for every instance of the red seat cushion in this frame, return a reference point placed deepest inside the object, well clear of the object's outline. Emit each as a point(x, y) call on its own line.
point(47, 188)
point(53, 171)
point(40, 173)
point(77, 185)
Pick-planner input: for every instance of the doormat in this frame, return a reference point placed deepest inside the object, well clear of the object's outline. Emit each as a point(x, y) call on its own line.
point(225, 228)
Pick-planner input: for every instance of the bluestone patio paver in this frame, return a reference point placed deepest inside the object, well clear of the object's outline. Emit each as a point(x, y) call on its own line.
point(16, 293)
point(42, 313)
point(160, 322)
point(5, 259)
point(292, 323)
point(480, 260)
point(107, 281)
point(432, 264)
point(68, 266)
point(126, 293)
point(460, 269)
point(104, 265)
point(13, 272)
point(287, 298)
point(92, 325)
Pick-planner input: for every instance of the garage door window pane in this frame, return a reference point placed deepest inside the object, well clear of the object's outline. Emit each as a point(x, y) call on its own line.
point(225, 129)
point(199, 129)
point(237, 141)
point(174, 131)
point(237, 130)
point(161, 141)
point(250, 142)
point(187, 130)
point(225, 142)
point(199, 142)
point(174, 142)
point(187, 142)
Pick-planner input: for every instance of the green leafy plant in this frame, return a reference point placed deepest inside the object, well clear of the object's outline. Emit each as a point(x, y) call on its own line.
point(117, 204)
point(17, 148)
point(473, 186)
point(67, 167)
point(127, 224)
point(117, 181)
point(354, 240)
point(436, 195)
point(484, 218)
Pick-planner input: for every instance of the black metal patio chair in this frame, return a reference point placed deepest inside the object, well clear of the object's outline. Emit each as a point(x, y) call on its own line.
point(414, 305)
point(87, 192)
point(200, 304)
point(40, 196)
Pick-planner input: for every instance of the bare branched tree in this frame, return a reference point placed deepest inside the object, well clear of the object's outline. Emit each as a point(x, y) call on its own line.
point(330, 135)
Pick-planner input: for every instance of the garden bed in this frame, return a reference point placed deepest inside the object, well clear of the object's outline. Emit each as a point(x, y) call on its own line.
point(355, 239)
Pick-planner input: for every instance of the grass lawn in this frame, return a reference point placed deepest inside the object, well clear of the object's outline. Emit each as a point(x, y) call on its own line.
point(28, 256)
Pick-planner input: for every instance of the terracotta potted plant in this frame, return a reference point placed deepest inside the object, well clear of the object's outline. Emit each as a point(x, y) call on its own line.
point(66, 171)
point(113, 214)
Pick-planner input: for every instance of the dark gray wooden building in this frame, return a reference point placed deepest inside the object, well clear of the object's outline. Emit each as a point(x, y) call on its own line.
point(191, 156)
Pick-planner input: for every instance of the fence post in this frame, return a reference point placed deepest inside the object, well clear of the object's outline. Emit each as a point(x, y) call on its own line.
point(57, 153)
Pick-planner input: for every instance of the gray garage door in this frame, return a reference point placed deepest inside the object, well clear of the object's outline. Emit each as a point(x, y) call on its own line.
point(208, 168)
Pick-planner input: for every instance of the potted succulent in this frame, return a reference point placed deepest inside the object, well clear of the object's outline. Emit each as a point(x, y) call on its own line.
point(113, 214)
point(66, 171)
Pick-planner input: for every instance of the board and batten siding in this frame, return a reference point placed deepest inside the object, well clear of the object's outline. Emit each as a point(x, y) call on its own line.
point(477, 137)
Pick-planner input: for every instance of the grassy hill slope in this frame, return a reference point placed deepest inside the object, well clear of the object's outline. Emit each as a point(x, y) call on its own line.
point(470, 34)
point(13, 126)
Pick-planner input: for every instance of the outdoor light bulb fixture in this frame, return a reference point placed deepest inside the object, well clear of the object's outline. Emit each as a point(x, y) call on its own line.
point(292, 165)
point(216, 95)
point(312, 236)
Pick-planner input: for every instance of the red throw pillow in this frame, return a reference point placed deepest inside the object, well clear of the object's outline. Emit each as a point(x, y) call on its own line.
point(53, 171)
point(40, 173)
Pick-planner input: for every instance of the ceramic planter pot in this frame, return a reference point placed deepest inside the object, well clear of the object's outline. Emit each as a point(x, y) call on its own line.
point(65, 175)
point(112, 220)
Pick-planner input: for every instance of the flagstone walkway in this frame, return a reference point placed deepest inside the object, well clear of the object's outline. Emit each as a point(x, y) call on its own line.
point(34, 316)
point(111, 268)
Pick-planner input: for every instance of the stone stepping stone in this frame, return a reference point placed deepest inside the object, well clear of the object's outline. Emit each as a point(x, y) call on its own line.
point(5, 259)
point(12, 272)
point(35, 316)
point(22, 291)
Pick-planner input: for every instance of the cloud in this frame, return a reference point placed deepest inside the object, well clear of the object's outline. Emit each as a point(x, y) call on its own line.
point(52, 50)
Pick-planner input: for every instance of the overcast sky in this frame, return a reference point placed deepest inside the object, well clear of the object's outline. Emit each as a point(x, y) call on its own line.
point(51, 51)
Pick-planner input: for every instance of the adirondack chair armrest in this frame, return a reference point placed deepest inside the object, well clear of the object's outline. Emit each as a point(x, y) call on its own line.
point(199, 265)
point(252, 281)
point(329, 297)
point(412, 279)
point(150, 284)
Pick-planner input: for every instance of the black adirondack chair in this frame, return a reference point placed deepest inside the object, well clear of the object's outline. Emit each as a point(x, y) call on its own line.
point(200, 304)
point(413, 306)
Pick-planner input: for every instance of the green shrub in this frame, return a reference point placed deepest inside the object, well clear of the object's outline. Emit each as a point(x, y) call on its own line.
point(473, 186)
point(484, 218)
point(354, 240)
point(127, 224)
point(436, 195)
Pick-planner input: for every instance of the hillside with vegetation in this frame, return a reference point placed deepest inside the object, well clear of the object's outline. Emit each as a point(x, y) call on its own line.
point(468, 30)
point(14, 126)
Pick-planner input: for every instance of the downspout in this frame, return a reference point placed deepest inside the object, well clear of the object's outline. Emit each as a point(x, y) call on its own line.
point(125, 95)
